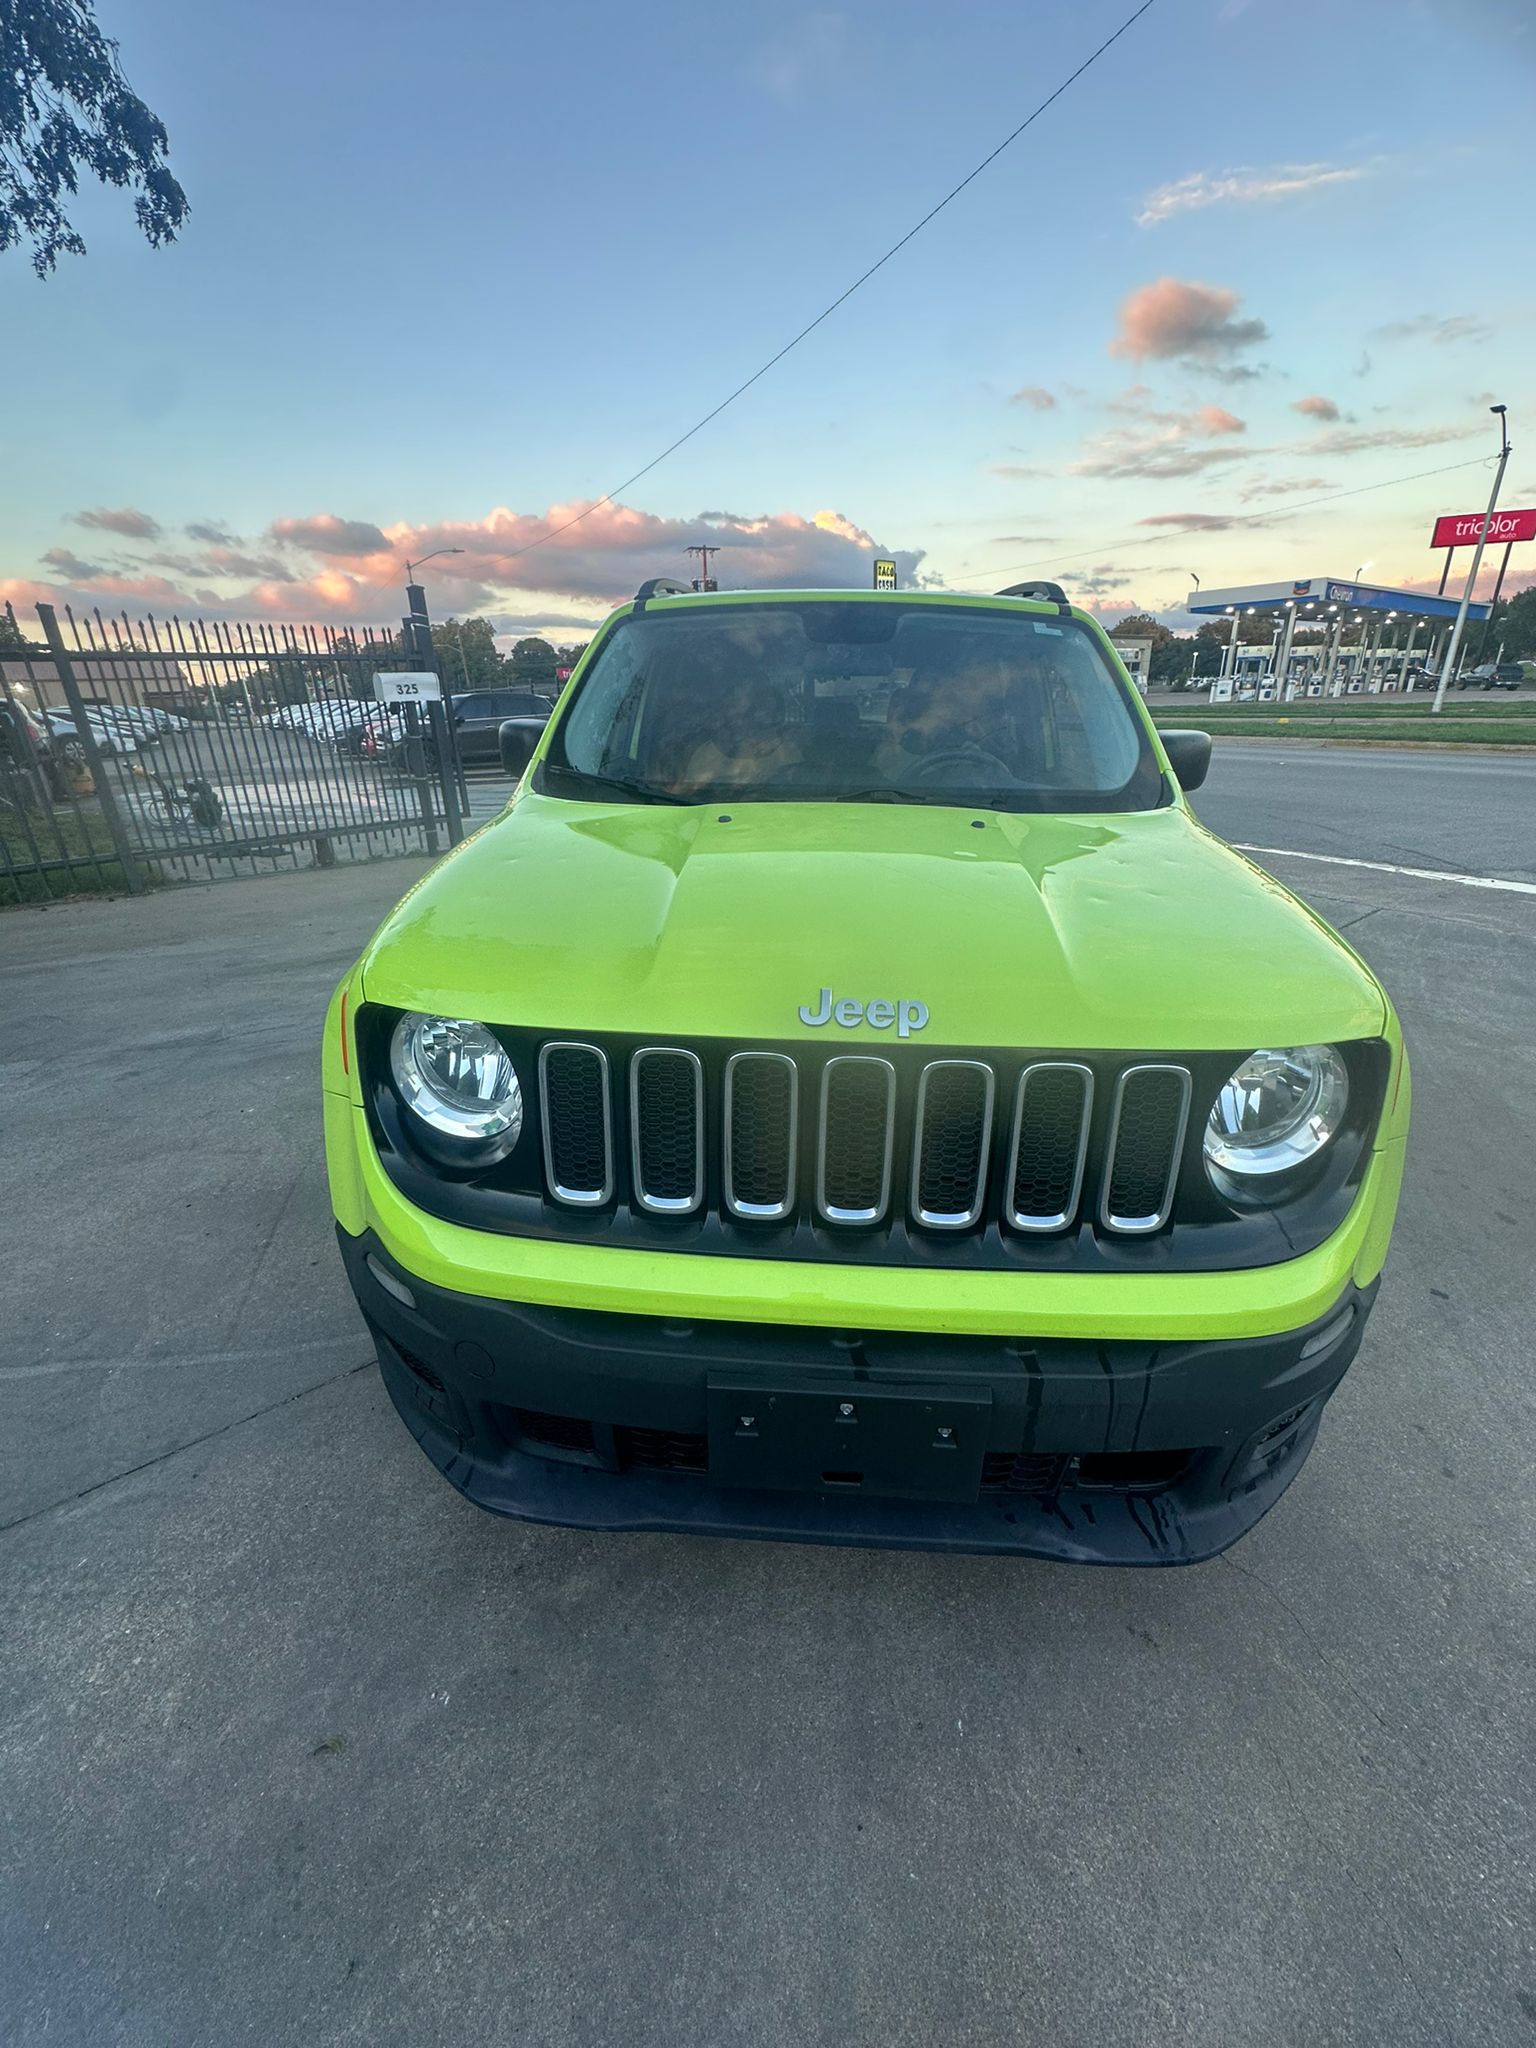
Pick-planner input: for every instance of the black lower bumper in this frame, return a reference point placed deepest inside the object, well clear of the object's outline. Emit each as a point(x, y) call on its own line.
point(1112, 1453)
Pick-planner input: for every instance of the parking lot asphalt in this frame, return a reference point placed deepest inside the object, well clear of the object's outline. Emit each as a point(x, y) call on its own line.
point(296, 1747)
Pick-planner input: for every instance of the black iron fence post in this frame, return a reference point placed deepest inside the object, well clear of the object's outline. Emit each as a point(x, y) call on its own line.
point(105, 793)
point(439, 713)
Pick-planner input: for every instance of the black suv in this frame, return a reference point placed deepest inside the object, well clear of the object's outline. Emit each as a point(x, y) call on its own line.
point(479, 715)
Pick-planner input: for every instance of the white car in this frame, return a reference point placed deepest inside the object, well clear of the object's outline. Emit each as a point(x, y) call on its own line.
point(109, 737)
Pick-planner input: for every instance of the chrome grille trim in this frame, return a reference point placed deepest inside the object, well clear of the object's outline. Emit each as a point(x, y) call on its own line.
point(666, 1205)
point(830, 1211)
point(1155, 1219)
point(584, 1198)
point(761, 1212)
point(1018, 1219)
point(957, 1219)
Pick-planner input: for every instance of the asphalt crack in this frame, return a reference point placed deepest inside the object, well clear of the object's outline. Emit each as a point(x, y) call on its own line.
point(209, 1436)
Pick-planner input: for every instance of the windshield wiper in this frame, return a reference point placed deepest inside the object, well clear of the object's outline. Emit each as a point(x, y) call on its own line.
point(886, 795)
point(641, 792)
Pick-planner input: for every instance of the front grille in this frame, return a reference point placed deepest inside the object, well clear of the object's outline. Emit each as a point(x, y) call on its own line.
point(853, 1171)
point(666, 1113)
point(856, 1141)
point(578, 1123)
point(1145, 1141)
point(762, 1093)
point(954, 1130)
point(1050, 1144)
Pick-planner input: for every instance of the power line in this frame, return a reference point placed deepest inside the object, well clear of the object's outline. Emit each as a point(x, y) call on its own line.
point(609, 497)
point(1138, 540)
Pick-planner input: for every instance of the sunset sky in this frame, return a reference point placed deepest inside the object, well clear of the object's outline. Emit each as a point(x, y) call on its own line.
point(453, 272)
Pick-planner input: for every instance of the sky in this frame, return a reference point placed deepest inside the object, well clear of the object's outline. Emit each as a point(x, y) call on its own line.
point(452, 273)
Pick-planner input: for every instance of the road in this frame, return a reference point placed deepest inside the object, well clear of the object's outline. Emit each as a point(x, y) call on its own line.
point(1470, 811)
point(296, 1747)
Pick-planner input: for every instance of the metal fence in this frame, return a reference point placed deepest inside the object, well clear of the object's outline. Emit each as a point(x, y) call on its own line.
point(135, 751)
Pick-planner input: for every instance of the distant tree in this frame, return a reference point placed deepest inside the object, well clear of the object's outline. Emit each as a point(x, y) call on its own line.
point(65, 107)
point(1141, 626)
point(12, 639)
point(568, 655)
point(533, 664)
point(1515, 624)
point(466, 654)
point(1171, 659)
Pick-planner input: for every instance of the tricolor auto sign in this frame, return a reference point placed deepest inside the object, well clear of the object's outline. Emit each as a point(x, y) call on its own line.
point(1461, 529)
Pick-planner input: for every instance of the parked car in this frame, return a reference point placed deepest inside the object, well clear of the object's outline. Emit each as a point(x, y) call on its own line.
point(141, 721)
point(479, 715)
point(849, 1097)
point(110, 737)
point(26, 743)
point(1488, 675)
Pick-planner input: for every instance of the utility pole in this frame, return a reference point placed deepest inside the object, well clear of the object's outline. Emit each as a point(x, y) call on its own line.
point(1477, 560)
point(704, 581)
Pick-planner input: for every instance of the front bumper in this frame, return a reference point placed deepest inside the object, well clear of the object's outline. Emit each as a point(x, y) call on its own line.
point(1077, 1449)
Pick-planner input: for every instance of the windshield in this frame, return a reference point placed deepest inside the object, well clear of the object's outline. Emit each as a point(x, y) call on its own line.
point(830, 702)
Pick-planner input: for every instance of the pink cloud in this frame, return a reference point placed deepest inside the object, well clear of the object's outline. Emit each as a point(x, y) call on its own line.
point(1215, 419)
point(1173, 318)
point(1316, 408)
point(347, 570)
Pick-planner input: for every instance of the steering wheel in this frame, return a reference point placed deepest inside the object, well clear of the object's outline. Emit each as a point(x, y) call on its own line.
point(978, 764)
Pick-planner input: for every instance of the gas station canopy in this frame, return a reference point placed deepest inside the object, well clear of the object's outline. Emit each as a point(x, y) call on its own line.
point(1314, 593)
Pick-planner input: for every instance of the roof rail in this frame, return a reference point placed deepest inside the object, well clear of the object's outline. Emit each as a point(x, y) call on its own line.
point(1047, 593)
point(661, 586)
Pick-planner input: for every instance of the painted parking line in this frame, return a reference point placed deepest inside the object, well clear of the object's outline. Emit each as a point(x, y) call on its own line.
point(1382, 867)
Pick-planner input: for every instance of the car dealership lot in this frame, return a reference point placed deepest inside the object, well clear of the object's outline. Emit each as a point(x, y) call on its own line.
point(299, 1747)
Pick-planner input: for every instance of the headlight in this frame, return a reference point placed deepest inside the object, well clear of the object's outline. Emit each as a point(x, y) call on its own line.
point(454, 1075)
point(1276, 1112)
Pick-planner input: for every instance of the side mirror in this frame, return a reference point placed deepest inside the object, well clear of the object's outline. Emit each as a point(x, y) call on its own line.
point(515, 743)
point(1189, 756)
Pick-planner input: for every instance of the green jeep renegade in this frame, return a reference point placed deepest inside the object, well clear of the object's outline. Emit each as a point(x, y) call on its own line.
point(847, 1096)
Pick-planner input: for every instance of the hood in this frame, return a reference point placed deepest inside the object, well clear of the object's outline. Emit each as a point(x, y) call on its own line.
point(1127, 931)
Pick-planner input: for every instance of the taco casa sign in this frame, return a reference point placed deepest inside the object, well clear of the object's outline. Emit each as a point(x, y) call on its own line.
point(1462, 529)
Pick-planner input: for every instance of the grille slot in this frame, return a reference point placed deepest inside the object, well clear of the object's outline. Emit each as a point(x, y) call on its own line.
point(1050, 1145)
point(853, 1167)
point(762, 1101)
point(662, 1450)
point(1023, 1471)
point(576, 1113)
point(1146, 1141)
point(666, 1099)
point(952, 1147)
point(553, 1432)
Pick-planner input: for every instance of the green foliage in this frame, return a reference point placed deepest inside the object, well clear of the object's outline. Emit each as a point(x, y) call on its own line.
point(12, 639)
point(466, 655)
point(1170, 660)
point(65, 107)
point(1141, 626)
point(533, 664)
point(1515, 625)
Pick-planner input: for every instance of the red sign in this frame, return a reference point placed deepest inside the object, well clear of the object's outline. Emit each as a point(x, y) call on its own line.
point(1460, 529)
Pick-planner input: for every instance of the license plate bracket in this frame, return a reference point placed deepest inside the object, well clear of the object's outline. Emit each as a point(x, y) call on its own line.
point(911, 1441)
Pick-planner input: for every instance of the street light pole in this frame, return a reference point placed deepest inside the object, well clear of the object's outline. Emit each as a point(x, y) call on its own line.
point(1477, 560)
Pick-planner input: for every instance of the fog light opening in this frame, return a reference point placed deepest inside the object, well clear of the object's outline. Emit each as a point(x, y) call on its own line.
point(1329, 1335)
point(390, 1282)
